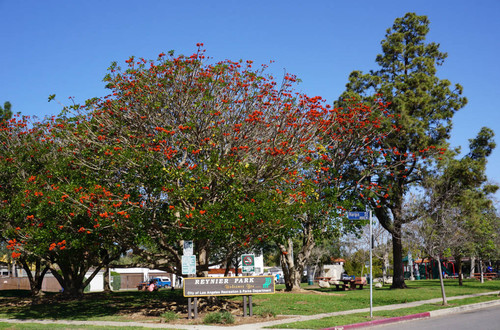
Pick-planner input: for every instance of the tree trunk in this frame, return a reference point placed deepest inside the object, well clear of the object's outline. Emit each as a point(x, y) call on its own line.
point(308, 244)
point(71, 283)
point(36, 279)
point(236, 267)
point(106, 284)
point(443, 293)
point(392, 222)
point(472, 267)
point(202, 269)
point(288, 265)
point(398, 279)
point(13, 272)
point(295, 268)
point(228, 265)
point(458, 259)
point(481, 270)
point(386, 266)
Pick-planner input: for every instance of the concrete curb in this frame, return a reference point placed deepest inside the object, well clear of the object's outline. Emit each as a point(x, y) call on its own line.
point(464, 308)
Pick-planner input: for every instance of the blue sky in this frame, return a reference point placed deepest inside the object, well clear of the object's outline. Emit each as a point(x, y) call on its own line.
point(64, 47)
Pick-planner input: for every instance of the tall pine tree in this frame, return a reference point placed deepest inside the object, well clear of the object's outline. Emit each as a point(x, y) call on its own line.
point(5, 112)
point(422, 106)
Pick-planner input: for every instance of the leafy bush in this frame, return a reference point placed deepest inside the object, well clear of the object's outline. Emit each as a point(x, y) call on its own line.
point(219, 317)
point(169, 316)
point(116, 283)
point(267, 312)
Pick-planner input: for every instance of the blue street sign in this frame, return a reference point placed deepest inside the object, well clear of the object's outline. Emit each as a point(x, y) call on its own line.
point(358, 216)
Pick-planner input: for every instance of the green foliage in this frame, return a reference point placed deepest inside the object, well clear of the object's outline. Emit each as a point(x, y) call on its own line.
point(117, 281)
point(50, 205)
point(459, 189)
point(267, 312)
point(5, 111)
point(223, 317)
point(169, 316)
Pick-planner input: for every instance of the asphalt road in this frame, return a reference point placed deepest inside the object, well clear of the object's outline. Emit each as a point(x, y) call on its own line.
point(479, 319)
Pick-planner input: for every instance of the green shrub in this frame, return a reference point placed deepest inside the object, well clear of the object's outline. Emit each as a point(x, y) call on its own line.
point(116, 283)
point(267, 312)
point(169, 316)
point(219, 317)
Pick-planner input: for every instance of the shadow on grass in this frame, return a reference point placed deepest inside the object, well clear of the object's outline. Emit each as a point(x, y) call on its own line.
point(18, 305)
point(15, 293)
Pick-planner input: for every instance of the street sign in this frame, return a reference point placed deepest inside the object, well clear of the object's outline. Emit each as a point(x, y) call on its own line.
point(188, 265)
point(358, 215)
point(247, 263)
point(188, 248)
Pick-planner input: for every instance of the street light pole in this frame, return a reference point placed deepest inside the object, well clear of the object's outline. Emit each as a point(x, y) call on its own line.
point(371, 272)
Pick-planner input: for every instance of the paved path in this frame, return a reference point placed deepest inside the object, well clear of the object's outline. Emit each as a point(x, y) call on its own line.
point(261, 325)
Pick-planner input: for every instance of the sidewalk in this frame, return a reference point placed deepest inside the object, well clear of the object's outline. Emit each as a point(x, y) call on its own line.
point(262, 325)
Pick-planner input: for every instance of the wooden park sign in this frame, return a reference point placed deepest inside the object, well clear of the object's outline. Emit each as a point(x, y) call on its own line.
point(245, 286)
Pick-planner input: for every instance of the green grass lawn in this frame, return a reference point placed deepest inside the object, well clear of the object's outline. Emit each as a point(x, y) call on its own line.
point(93, 306)
point(119, 306)
point(340, 320)
point(308, 304)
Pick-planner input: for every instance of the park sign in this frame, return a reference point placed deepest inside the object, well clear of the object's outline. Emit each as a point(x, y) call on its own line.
point(228, 286)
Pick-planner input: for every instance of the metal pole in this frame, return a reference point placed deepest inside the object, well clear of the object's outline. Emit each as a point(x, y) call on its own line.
point(371, 272)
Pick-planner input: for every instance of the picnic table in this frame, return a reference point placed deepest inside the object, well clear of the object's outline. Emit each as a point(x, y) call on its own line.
point(351, 284)
point(347, 283)
point(486, 276)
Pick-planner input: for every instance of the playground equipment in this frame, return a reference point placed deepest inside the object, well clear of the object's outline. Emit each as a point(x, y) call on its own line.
point(429, 269)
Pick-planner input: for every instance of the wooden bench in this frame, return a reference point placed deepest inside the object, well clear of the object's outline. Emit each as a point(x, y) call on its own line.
point(486, 276)
point(359, 282)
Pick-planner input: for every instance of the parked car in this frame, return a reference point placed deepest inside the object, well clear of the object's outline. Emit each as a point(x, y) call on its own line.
point(154, 284)
point(162, 282)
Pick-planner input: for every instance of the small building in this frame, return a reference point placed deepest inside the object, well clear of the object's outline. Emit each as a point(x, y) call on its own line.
point(131, 277)
point(334, 271)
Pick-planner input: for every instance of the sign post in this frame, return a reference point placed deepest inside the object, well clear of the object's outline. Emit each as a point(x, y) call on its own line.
point(366, 216)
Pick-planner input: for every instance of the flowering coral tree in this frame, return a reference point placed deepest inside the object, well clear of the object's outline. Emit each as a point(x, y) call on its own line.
point(199, 147)
point(56, 213)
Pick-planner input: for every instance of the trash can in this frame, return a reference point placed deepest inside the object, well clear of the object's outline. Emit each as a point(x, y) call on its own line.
point(310, 280)
point(368, 279)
